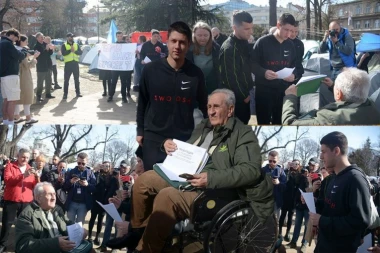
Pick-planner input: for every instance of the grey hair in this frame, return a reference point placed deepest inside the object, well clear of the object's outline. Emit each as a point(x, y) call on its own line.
point(38, 34)
point(23, 151)
point(230, 96)
point(354, 84)
point(39, 188)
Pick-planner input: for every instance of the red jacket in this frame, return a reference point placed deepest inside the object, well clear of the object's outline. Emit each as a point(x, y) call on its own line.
point(18, 188)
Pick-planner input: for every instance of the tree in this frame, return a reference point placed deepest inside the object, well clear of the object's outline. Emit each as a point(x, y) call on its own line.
point(77, 138)
point(272, 12)
point(6, 143)
point(53, 18)
point(365, 158)
point(306, 149)
point(94, 158)
point(74, 15)
point(120, 150)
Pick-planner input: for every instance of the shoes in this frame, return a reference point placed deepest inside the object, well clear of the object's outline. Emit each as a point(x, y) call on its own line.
point(40, 99)
point(56, 87)
point(125, 100)
point(101, 249)
point(79, 95)
point(303, 248)
point(96, 241)
point(291, 245)
point(109, 99)
point(129, 94)
point(286, 238)
point(31, 121)
point(130, 240)
point(16, 121)
point(64, 96)
point(104, 94)
point(49, 96)
point(135, 88)
point(90, 240)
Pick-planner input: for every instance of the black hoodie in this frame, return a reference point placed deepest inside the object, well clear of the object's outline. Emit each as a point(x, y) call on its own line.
point(167, 99)
point(10, 58)
point(346, 212)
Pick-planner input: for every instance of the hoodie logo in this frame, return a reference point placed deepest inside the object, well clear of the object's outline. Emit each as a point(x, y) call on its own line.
point(286, 53)
point(223, 148)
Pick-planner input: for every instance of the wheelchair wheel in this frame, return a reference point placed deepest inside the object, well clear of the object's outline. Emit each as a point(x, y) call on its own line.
point(236, 229)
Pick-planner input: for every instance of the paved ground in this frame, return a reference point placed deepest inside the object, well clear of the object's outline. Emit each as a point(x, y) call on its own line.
point(92, 108)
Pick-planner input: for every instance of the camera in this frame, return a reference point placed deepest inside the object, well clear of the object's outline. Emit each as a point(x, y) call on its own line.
point(333, 33)
point(31, 52)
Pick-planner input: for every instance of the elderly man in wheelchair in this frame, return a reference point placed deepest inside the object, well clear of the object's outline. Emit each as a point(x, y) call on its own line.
point(230, 203)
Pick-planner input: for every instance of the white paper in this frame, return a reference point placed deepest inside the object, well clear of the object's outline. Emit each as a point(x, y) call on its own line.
point(284, 73)
point(147, 60)
point(309, 199)
point(309, 78)
point(366, 244)
point(139, 48)
point(75, 233)
point(187, 158)
point(111, 210)
point(120, 56)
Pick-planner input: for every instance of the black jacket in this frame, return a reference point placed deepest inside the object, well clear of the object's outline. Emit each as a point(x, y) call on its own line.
point(346, 212)
point(290, 193)
point(148, 49)
point(10, 58)
point(216, 65)
point(300, 50)
point(221, 39)
point(167, 99)
point(270, 54)
point(235, 67)
point(44, 62)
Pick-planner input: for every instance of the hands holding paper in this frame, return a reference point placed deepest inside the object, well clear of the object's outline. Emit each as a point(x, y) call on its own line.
point(170, 146)
point(314, 217)
point(328, 81)
point(290, 78)
point(270, 75)
point(199, 181)
point(65, 244)
point(291, 90)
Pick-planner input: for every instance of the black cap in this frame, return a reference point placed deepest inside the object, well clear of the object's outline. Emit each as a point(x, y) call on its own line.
point(313, 161)
point(70, 35)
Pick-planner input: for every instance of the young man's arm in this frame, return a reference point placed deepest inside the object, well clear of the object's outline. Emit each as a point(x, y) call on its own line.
point(142, 102)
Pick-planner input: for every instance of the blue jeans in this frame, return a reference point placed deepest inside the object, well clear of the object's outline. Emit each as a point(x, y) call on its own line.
point(107, 230)
point(137, 72)
point(77, 212)
point(300, 215)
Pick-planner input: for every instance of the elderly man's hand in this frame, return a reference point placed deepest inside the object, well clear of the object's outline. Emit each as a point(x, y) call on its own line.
point(199, 181)
point(65, 244)
point(291, 90)
point(314, 218)
point(170, 146)
point(328, 81)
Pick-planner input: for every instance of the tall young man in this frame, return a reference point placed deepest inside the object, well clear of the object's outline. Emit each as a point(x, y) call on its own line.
point(153, 48)
point(169, 90)
point(272, 53)
point(235, 63)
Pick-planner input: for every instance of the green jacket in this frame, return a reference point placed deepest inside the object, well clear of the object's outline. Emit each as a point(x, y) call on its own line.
point(236, 163)
point(32, 233)
point(338, 113)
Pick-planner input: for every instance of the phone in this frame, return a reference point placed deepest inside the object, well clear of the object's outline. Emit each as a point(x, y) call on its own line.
point(187, 176)
point(74, 176)
point(83, 179)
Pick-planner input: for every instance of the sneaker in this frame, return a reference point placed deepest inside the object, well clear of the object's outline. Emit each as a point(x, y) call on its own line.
point(49, 96)
point(104, 94)
point(125, 100)
point(57, 87)
point(96, 241)
point(31, 121)
point(291, 245)
point(79, 95)
point(109, 99)
point(136, 88)
point(286, 238)
point(16, 121)
point(303, 248)
point(64, 96)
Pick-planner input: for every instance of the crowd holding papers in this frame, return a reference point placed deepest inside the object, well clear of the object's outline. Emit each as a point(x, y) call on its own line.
point(309, 84)
point(111, 210)
point(284, 73)
point(75, 233)
point(187, 159)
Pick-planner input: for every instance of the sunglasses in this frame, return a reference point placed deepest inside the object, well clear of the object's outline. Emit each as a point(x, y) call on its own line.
point(79, 163)
point(272, 161)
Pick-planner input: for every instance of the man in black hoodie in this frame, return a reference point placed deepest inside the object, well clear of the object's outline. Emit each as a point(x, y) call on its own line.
point(235, 63)
point(347, 210)
point(300, 50)
point(272, 53)
point(10, 59)
point(170, 88)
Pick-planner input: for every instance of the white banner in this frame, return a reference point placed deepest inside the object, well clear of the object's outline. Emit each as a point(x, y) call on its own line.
point(117, 56)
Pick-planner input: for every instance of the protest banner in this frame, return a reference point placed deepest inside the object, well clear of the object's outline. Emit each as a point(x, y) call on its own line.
point(119, 57)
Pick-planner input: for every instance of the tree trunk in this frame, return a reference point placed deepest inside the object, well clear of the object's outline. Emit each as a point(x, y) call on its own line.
point(308, 19)
point(3, 10)
point(3, 139)
point(315, 19)
point(320, 26)
point(272, 12)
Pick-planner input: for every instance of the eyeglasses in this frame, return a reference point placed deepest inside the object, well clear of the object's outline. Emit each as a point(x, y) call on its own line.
point(272, 161)
point(79, 163)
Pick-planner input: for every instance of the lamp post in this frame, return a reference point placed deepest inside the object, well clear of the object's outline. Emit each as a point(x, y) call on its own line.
point(98, 22)
point(105, 142)
point(295, 144)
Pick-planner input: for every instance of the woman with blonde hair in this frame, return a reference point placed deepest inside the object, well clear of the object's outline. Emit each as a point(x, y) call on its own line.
point(26, 83)
point(204, 53)
point(41, 171)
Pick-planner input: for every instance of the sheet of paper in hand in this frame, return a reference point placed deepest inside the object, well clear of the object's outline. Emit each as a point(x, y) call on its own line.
point(119, 56)
point(187, 158)
point(284, 73)
point(75, 233)
point(309, 84)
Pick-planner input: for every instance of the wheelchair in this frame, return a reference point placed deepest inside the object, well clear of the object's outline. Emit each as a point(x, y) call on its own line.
point(223, 223)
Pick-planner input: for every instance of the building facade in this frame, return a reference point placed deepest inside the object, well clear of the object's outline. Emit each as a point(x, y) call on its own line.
point(358, 16)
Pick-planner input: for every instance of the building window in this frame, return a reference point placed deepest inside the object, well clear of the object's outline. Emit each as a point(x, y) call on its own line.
point(357, 25)
point(367, 24)
point(359, 9)
point(340, 12)
point(368, 8)
point(377, 23)
point(377, 9)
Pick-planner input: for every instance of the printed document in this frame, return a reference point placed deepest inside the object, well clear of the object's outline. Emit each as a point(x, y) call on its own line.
point(284, 73)
point(75, 233)
point(147, 60)
point(111, 210)
point(187, 158)
point(309, 199)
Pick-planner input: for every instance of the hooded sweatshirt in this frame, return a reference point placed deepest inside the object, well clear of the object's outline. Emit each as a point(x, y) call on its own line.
point(346, 212)
point(167, 100)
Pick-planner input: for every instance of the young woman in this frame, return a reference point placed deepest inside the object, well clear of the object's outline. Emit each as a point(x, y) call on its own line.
point(26, 83)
